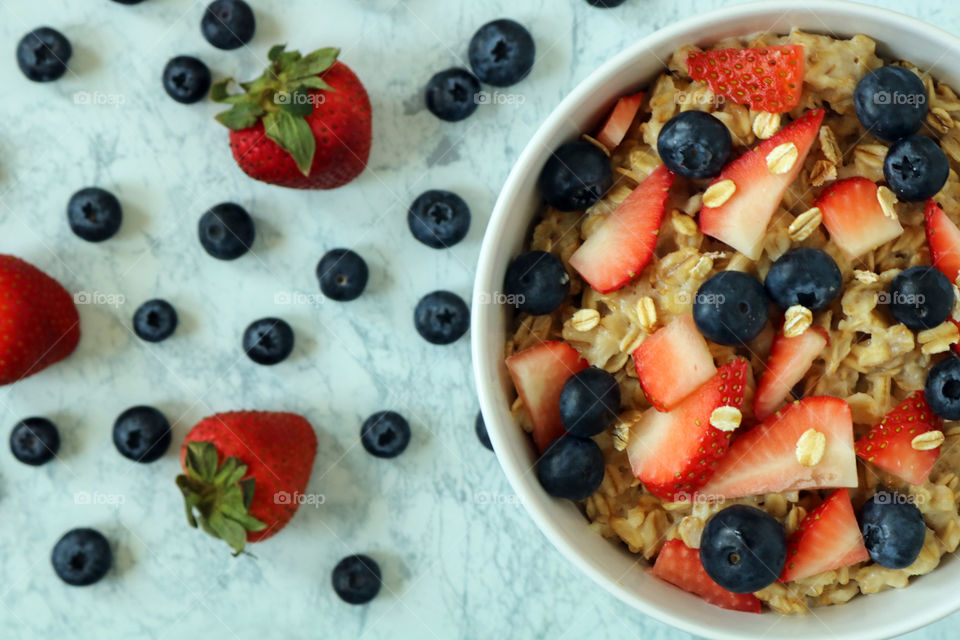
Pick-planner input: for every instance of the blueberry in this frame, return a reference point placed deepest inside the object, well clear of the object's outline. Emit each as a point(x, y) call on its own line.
point(453, 94)
point(441, 317)
point(695, 144)
point(34, 441)
point(357, 579)
point(81, 557)
point(576, 176)
point(186, 79)
point(343, 274)
point(891, 102)
point(743, 548)
point(893, 529)
point(571, 468)
point(804, 276)
point(480, 427)
point(268, 341)
point(439, 219)
point(128, 1)
point(228, 24)
point(94, 214)
point(921, 297)
point(142, 434)
point(605, 4)
point(43, 54)
point(942, 389)
point(916, 168)
point(226, 231)
point(589, 402)
point(536, 282)
point(155, 320)
point(731, 308)
point(501, 53)
point(385, 434)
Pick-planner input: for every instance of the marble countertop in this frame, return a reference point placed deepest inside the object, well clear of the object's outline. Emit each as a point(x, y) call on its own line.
point(459, 556)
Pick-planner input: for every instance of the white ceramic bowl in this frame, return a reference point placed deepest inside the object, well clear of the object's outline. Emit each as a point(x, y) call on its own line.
point(610, 565)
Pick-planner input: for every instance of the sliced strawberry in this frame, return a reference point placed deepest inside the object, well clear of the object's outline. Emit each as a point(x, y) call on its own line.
point(619, 120)
point(888, 445)
point(538, 373)
point(680, 565)
point(623, 245)
point(763, 78)
point(828, 538)
point(790, 359)
point(764, 459)
point(673, 363)
point(742, 220)
point(943, 237)
point(675, 453)
point(853, 216)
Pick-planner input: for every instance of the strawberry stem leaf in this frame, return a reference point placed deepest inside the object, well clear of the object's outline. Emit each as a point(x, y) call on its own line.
point(240, 116)
point(294, 136)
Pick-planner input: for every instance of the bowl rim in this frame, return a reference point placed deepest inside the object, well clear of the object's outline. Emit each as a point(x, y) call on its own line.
point(485, 369)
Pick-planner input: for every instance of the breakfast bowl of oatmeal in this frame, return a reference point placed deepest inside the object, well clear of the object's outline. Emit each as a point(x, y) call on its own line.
point(716, 323)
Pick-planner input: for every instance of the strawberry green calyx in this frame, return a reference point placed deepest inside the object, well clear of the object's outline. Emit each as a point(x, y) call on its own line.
point(218, 497)
point(280, 98)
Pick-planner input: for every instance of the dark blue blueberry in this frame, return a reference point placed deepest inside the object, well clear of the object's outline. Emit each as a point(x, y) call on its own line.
point(453, 94)
point(385, 434)
point(186, 79)
point(268, 341)
point(480, 427)
point(589, 402)
point(891, 102)
point(502, 53)
point(155, 320)
point(226, 231)
point(731, 308)
point(43, 54)
point(343, 274)
point(142, 434)
point(743, 548)
point(916, 168)
point(357, 579)
point(228, 24)
point(804, 276)
point(921, 297)
point(942, 389)
point(128, 1)
point(439, 219)
point(94, 214)
point(34, 441)
point(81, 557)
point(695, 144)
point(441, 317)
point(893, 529)
point(575, 176)
point(571, 468)
point(536, 282)
point(606, 4)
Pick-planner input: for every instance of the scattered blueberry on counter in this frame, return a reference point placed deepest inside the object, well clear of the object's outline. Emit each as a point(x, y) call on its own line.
point(921, 297)
point(576, 176)
point(606, 4)
point(385, 434)
point(342, 274)
point(695, 144)
point(186, 79)
point(82, 557)
point(589, 402)
point(268, 341)
point(804, 276)
point(441, 317)
point(34, 441)
point(536, 282)
point(731, 308)
point(893, 529)
point(502, 53)
point(128, 1)
point(228, 24)
point(142, 434)
point(155, 320)
point(453, 94)
point(891, 102)
point(942, 388)
point(743, 548)
point(571, 468)
point(916, 168)
point(42, 54)
point(94, 214)
point(226, 231)
point(480, 427)
point(357, 579)
point(439, 219)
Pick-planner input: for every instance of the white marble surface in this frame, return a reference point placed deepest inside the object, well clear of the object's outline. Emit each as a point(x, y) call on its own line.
point(460, 557)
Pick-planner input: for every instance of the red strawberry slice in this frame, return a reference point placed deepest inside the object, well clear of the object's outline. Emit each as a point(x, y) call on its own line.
point(943, 237)
point(619, 120)
point(790, 359)
point(763, 78)
point(675, 453)
point(680, 565)
point(619, 250)
point(764, 459)
point(538, 373)
point(854, 218)
point(673, 363)
point(742, 220)
point(828, 538)
point(888, 445)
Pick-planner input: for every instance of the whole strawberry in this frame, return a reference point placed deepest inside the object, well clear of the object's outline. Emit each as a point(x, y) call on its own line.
point(304, 124)
point(244, 472)
point(39, 323)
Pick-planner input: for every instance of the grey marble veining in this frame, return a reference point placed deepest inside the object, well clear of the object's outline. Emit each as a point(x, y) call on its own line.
point(460, 557)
